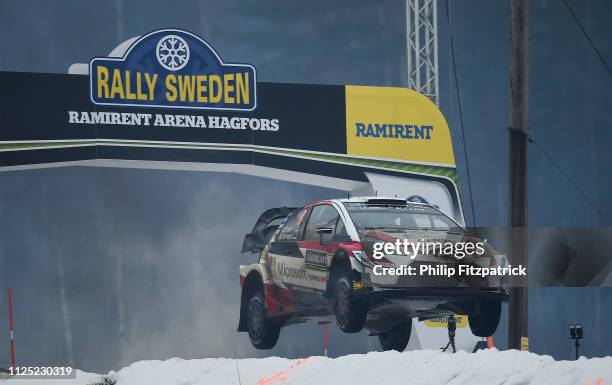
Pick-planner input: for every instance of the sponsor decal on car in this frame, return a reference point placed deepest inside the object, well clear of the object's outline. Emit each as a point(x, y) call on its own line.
point(287, 271)
point(316, 260)
point(273, 265)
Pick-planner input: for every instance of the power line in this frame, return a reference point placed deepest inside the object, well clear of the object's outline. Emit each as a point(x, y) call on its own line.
point(566, 175)
point(454, 66)
point(601, 58)
point(531, 140)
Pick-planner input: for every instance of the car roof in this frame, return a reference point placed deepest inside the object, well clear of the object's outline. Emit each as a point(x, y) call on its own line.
point(368, 199)
point(377, 199)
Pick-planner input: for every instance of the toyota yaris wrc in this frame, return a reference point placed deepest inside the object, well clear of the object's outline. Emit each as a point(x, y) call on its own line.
point(319, 260)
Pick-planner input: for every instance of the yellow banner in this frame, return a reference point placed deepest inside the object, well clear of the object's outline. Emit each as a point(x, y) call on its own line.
point(524, 344)
point(396, 123)
point(442, 322)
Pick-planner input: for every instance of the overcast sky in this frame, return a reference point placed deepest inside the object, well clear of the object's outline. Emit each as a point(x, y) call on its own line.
point(169, 229)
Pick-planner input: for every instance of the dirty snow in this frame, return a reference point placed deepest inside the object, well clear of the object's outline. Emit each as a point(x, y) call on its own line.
point(426, 367)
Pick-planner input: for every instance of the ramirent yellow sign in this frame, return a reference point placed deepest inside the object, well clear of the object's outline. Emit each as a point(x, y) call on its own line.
point(396, 123)
point(442, 322)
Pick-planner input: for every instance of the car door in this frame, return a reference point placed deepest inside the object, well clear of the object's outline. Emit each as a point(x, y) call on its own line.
point(317, 256)
point(286, 259)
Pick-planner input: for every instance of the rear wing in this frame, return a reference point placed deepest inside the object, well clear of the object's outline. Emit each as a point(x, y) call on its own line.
point(263, 230)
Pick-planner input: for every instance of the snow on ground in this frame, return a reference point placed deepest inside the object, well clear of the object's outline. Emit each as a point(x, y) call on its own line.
point(423, 367)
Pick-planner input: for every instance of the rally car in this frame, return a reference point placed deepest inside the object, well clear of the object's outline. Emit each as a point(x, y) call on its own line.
point(318, 260)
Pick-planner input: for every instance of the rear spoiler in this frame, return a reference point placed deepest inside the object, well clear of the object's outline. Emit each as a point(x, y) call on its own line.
point(263, 231)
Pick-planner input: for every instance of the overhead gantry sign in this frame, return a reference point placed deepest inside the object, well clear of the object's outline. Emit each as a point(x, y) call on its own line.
point(170, 102)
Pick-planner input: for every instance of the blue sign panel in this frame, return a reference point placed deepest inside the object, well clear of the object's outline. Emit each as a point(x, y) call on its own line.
point(172, 68)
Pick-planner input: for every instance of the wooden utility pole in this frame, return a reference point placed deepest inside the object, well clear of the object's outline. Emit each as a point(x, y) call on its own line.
point(519, 42)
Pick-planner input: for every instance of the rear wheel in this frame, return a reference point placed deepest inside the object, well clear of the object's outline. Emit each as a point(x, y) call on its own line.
point(397, 338)
point(350, 313)
point(485, 318)
point(263, 331)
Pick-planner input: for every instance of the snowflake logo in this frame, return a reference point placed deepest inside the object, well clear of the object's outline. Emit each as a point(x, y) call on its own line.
point(172, 52)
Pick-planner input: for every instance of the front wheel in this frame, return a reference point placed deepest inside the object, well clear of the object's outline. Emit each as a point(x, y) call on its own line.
point(350, 313)
point(397, 338)
point(485, 318)
point(263, 331)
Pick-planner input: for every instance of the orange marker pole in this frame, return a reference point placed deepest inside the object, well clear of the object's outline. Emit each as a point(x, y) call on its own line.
point(490, 342)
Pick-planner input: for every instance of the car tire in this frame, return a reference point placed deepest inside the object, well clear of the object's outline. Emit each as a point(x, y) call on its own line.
point(485, 318)
point(397, 338)
point(263, 331)
point(350, 313)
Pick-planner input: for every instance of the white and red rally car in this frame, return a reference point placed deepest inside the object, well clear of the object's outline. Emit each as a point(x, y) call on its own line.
point(318, 260)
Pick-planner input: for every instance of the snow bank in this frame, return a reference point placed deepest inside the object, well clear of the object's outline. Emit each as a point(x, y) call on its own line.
point(389, 368)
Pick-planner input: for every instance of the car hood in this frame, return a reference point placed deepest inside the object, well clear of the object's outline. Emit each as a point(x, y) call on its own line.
point(416, 235)
point(370, 237)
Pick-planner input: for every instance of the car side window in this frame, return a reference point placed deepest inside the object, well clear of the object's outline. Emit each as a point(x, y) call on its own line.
point(291, 229)
point(321, 216)
point(340, 233)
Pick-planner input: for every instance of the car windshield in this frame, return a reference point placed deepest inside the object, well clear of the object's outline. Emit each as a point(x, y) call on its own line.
point(368, 216)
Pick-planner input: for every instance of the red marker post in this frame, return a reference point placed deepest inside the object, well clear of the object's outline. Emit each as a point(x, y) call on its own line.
point(325, 336)
point(10, 302)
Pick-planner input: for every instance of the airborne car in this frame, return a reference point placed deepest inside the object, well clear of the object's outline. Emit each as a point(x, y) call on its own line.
point(318, 260)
